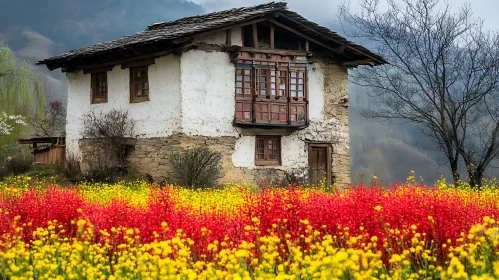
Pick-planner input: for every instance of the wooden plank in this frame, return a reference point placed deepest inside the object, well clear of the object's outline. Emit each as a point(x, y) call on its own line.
point(242, 36)
point(98, 69)
point(307, 45)
point(138, 63)
point(279, 52)
point(303, 35)
point(357, 63)
point(217, 30)
point(311, 29)
point(255, 35)
point(272, 33)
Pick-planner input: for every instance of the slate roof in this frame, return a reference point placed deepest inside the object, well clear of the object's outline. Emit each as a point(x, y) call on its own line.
point(188, 26)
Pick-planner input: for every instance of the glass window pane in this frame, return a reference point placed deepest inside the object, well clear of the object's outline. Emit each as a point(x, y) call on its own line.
point(239, 78)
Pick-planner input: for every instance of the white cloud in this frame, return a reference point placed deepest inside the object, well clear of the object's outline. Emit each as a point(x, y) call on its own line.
point(38, 46)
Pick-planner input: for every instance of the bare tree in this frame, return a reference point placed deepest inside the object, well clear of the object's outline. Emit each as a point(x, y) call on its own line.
point(111, 133)
point(52, 122)
point(442, 67)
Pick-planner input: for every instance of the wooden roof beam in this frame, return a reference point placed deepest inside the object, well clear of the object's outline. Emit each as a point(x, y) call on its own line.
point(318, 33)
point(304, 36)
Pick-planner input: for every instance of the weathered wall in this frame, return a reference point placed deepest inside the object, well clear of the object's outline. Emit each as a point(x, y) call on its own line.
point(192, 103)
point(220, 38)
point(207, 86)
point(150, 156)
point(336, 110)
point(328, 88)
point(155, 118)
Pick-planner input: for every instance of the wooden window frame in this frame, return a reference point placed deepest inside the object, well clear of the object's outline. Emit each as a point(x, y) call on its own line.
point(266, 161)
point(133, 90)
point(94, 78)
point(297, 109)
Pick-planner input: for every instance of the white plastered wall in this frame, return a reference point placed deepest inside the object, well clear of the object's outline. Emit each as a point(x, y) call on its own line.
point(194, 94)
point(155, 118)
point(207, 85)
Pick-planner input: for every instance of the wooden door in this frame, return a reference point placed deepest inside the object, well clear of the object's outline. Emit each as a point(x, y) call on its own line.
point(319, 164)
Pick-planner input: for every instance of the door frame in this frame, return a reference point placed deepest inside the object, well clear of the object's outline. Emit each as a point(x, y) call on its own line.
point(329, 161)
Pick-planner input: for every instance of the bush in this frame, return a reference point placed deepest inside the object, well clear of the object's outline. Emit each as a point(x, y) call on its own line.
point(72, 170)
point(111, 134)
point(14, 160)
point(197, 168)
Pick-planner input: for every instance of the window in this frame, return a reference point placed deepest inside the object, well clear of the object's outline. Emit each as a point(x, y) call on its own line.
point(267, 150)
point(139, 84)
point(271, 91)
point(98, 86)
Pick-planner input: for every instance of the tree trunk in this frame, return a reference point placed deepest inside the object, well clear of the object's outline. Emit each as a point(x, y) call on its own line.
point(476, 177)
point(455, 173)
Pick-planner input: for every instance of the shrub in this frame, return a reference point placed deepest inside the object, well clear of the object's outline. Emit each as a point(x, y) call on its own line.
point(111, 135)
point(17, 165)
point(72, 170)
point(197, 168)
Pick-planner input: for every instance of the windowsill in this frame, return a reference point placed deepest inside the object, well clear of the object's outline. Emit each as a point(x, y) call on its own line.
point(136, 100)
point(98, 101)
point(253, 125)
point(267, 163)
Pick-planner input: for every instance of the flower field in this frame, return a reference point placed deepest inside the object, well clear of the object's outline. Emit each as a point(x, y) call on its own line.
point(141, 231)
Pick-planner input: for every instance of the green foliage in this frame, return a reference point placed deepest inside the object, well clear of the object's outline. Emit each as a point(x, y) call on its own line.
point(21, 92)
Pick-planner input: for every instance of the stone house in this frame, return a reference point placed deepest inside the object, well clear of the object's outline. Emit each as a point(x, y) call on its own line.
point(262, 85)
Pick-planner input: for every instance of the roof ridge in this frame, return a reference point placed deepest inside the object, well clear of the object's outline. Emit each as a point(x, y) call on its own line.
point(271, 6)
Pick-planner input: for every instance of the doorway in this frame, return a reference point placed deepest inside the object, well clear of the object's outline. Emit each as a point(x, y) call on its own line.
point(319, 162)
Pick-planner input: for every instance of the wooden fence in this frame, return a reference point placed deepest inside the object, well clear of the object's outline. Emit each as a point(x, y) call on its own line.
point(47, 150)
point(52, 156)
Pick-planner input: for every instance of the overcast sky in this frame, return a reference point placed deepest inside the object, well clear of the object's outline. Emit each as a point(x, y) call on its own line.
point(39, 29)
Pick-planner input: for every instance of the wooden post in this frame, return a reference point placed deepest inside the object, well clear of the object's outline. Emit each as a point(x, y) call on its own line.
point(228, 39)
point(272, 46)
point(307, 45)
point(242, 36)
point(255, 36)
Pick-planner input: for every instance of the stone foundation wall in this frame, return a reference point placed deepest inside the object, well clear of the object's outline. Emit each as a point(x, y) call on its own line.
point(336, 107)
point(151, 155)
